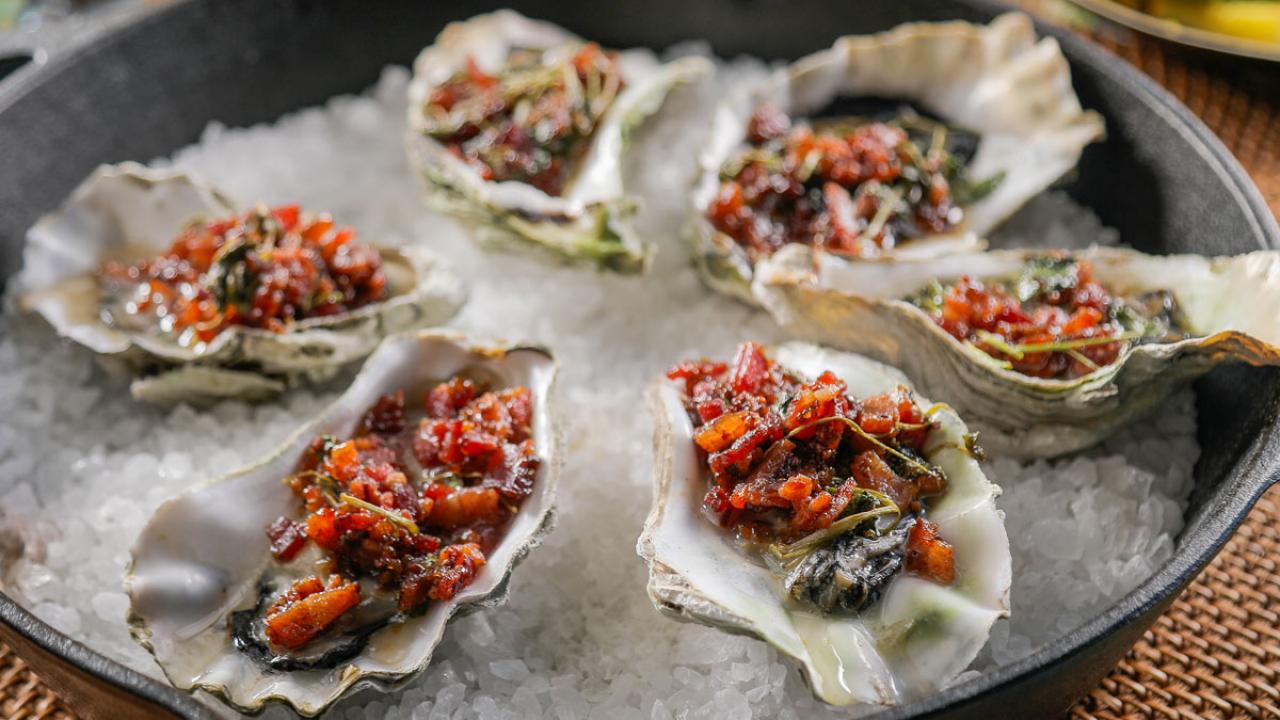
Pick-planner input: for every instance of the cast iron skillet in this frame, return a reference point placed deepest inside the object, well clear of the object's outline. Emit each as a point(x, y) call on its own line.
point(151, 85)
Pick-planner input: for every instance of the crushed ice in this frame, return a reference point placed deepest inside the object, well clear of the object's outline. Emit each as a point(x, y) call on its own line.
point(82, 467)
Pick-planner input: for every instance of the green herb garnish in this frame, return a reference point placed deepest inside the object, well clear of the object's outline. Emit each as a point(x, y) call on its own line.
point(910, 461)
point(394, 517)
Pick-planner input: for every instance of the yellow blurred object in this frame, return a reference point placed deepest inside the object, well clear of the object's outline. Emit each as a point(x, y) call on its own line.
point(1254, 19)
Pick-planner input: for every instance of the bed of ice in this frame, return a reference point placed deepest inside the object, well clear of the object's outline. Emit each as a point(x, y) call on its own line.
point(82, 467)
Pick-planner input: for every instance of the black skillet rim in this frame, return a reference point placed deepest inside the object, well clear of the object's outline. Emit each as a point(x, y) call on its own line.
point(1234, 497)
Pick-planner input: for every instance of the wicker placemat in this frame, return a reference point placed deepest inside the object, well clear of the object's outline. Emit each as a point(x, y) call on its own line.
point(1215, 654)
point(23, 696)
point(1241, 104)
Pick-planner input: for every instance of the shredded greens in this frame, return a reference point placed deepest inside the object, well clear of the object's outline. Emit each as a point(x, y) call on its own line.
point(791, 553)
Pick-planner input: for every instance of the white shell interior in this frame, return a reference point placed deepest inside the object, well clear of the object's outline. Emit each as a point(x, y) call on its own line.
point(915, 639)
point(996, 80)
point(200, 556)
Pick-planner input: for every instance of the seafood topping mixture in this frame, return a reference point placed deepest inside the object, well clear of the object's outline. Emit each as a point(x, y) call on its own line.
point(1051, 319)
point(831, 491)
point(851, 187)
point(530, 122)
point(401, 509)
point(264, 269)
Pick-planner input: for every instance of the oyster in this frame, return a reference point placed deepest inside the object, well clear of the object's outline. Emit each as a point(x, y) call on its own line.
point(1228, 306)
point(204, 559)
point(994, 81)
point(128, 212)
point(918, 635)
point(588, 219)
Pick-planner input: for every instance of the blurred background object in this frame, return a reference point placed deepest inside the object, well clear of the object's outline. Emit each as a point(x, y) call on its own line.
point(1244, 28)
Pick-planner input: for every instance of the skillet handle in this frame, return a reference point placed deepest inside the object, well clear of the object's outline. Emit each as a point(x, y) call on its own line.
point(16, 52)
point(10, 62)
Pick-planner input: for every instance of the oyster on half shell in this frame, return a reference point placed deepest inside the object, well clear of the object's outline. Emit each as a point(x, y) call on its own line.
point(997, 81)
point(917, 637)
point(128, 212)
point(1230, 309)
point(590, 220)
point(204, 554)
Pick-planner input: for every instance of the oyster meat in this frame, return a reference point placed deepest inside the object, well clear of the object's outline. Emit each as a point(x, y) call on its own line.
point(218, 571)
point(1006, 113)
point(1224, 309)
point(127, 213)
point(519, 128)
point(876, 615)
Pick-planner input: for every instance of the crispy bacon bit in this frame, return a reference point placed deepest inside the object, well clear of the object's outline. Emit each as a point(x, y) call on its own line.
point(456, 567)
point(287, 538)
point(265, 269)
point(796, 184)
point(528, 122)
point(767, 123)
point(928, 555)
point(307, 608)
point(873, 473)
point(386, 417)
point(424, 540)
point(465, 507)
point(750, 368)
point(455, 570)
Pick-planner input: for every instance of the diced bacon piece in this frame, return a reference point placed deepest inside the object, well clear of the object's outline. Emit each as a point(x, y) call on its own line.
point(456, 568)
point(287, 538)
point(928, 555)
point(386, 417)
point(878, 415)
point(750, 368)
point(767, 122)
point(466, 506)
point(872, 472)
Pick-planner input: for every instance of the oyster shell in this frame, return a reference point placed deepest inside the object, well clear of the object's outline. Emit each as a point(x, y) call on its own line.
point(203, 553)
point(1230, 306)
point(995, 80)
point(590, 220)
point(129, 212)
point(916, 638)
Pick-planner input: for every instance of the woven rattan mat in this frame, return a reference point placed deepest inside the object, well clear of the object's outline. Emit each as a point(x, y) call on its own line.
point(1216, 653)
